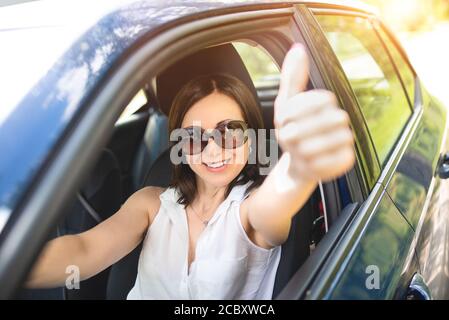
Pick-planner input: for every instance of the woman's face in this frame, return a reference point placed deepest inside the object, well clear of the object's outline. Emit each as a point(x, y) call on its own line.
point(208, 164)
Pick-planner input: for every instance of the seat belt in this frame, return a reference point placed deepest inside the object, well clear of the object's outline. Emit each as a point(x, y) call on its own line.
point(88, 207)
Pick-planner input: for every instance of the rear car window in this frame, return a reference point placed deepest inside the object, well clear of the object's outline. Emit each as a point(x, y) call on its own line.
point(406, 73)
point(372, 76)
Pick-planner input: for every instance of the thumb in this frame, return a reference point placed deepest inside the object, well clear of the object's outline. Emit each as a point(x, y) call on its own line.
point(294, 74)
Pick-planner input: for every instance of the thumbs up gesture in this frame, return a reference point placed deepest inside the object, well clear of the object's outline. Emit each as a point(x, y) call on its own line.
point(310, 127)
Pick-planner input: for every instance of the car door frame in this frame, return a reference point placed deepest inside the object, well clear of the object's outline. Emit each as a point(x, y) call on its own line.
point(320, 277)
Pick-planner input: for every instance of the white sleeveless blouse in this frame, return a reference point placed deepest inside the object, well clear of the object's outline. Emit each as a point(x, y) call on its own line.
point(227, 265)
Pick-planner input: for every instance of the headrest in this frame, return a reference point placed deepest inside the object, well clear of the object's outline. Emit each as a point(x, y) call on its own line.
point(218, 59)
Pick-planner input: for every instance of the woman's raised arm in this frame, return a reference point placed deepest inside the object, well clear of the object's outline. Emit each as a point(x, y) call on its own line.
point(317, 144)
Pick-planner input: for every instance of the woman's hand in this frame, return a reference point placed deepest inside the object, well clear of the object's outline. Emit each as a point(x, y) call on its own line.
point(311, 129)
point(318, 145)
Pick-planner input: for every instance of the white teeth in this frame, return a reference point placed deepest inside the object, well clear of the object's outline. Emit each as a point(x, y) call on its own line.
point(217, 164)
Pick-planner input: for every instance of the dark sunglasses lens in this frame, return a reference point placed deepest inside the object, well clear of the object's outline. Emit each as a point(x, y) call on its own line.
point(235, 135)
point(234, 139)
point(229, 136)
point(192, 146)
point(191, 142)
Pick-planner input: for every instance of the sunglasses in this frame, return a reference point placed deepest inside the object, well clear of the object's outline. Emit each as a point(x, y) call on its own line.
point(228, 134)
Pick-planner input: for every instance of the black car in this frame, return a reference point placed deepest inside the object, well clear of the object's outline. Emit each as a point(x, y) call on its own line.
point(92, 129)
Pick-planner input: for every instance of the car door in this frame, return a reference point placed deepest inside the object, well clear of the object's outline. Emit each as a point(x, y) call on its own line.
point(408, 159)
point(419, 185)
point(372, 256)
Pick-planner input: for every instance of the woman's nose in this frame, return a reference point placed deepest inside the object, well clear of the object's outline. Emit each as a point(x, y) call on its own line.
point(212, 148)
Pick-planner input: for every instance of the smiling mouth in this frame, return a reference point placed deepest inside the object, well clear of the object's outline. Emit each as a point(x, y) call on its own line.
point(218, 164)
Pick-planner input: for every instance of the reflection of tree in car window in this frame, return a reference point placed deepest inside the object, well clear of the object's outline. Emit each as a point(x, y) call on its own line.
point(372, 76)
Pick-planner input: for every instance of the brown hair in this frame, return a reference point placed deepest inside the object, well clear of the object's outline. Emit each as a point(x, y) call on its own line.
point(183, 177)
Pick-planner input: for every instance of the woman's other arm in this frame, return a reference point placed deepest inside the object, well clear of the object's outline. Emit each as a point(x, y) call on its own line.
point(96, 249)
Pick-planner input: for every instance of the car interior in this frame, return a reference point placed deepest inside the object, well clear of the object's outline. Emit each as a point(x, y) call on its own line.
point(137, 155)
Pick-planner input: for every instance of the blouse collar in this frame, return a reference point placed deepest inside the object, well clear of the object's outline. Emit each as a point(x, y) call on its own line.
point(171, 195)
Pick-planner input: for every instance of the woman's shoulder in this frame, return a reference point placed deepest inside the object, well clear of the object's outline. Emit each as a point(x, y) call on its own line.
point(149, 197)
point(152, 192)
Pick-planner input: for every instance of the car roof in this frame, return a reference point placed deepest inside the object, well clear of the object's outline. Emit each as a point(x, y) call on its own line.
point(56, 12)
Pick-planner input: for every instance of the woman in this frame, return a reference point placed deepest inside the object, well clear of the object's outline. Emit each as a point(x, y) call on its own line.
point(216, 232)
